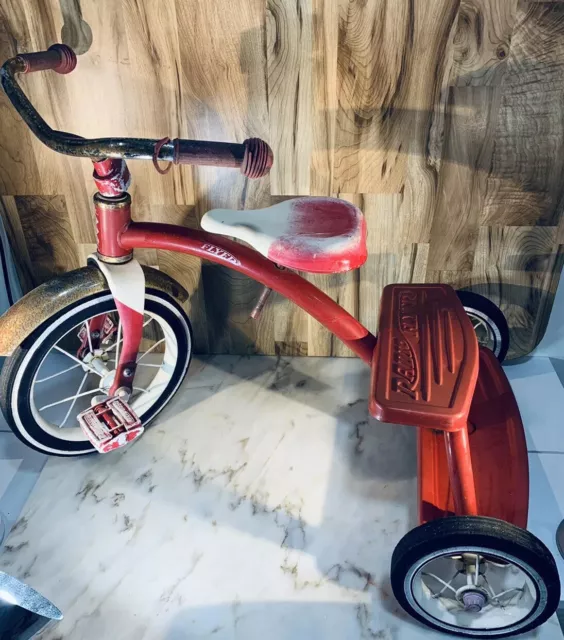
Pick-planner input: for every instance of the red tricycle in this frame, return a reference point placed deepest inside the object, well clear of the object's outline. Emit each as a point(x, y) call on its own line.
point(97, 353)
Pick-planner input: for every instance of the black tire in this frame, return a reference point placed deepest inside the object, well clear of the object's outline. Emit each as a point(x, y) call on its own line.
point(21, 367)
point(480, 307)
point(502, 540)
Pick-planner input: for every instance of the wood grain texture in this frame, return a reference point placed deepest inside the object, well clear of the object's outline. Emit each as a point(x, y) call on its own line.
point(482, 41)
point(467, 154)
point(441, 119)
point(47, 217)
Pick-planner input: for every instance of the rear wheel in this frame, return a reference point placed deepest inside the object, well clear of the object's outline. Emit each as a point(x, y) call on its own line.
point(490, 325)
point(475, 577)
point(48, 380)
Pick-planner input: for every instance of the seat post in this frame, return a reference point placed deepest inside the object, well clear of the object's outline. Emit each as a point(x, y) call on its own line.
point(460, 471)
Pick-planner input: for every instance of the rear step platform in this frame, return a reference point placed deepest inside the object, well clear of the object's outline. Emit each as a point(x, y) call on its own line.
point(425, 363)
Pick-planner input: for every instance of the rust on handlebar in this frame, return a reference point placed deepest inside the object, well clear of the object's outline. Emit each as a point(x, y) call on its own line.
point(253, 157)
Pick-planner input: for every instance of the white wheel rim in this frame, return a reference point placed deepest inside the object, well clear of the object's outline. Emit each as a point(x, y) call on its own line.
point(143, 407)
point(504, 590)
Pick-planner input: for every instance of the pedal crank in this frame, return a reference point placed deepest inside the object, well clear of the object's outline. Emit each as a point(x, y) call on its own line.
point(110, 424)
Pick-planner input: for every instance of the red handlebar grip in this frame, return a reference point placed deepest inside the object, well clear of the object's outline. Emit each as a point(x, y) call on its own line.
point(58, 57)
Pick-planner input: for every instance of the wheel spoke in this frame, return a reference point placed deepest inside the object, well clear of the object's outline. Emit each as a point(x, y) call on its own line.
point(150, 349)
point(74, 401)
point(447, 585)
point(118, 340)
point(87, 327)
point(60, 373)
point(70, 398)
point(82, 364)
point(111, 347)
point(146, 364)
point(504, 593)
point(488, 585)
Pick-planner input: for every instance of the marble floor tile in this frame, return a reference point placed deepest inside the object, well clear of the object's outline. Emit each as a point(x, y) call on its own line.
point(540, 396)
point(20, 467)
point(264, 503)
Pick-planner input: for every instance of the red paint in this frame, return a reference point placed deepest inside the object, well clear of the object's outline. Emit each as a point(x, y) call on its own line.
point(112, 217)
point(95, 325)
point(110, 424)
point(461, 474)
point(424, 374)
point(132, 333)
point(499, 454)
point(324, 235)
point(304, 294)
point(214, 250)
point(112, 177)
point(426, 362)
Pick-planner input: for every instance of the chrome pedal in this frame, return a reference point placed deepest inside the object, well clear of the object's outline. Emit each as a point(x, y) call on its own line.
point(110, 424)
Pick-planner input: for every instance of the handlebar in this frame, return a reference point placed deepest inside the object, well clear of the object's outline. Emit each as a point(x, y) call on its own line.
point(253, 157)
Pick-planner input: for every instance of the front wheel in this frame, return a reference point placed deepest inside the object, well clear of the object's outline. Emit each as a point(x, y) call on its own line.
point(475, 577)
point(47, 381)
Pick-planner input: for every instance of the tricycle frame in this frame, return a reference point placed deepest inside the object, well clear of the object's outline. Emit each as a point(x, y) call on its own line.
point(118, 236)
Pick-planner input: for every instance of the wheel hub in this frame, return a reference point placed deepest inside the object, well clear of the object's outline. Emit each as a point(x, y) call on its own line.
point(474, 600)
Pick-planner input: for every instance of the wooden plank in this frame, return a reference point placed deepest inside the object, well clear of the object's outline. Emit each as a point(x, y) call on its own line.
point(442, 119)
point(18, 168)
point(75, 32)
point(289, 53)
point(48, 235)
point(325, 25)
point(374, 70)
point(394, 254)
point(433, 33)
point(223, 80)
point(526, 186)
point(517, 268)
point(467, 156)
point(155, 75)
point(482, 41)
point(49, 93)
point(16, 238)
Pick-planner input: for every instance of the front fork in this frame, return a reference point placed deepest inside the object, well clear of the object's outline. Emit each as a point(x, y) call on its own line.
point(127, 285)
point(125, 278)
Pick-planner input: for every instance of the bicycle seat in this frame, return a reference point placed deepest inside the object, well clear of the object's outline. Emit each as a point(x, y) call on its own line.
point(319, 235)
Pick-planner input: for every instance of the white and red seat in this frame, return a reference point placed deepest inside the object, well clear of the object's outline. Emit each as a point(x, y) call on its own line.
point(318, 235)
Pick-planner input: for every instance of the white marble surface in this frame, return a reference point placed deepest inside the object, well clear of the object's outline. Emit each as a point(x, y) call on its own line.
point(263, 504)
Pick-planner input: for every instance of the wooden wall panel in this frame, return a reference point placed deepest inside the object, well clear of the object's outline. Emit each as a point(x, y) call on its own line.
point(441, 119)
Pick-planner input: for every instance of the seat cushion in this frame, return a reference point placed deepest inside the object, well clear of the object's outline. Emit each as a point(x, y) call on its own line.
point(318, 235)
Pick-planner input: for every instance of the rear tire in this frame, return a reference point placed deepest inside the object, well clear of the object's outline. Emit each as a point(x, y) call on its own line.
point(18, 378)
point(493, 328)
point(495, 541)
